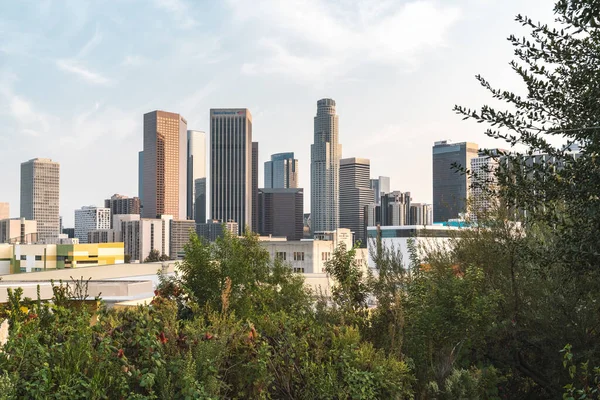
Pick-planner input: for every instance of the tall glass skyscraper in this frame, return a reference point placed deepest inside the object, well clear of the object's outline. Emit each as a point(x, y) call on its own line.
point(281, 172)
point(325, 168)
point(196, 169)
point(231, 186)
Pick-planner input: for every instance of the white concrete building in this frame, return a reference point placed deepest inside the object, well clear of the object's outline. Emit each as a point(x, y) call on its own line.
point(143, 235)
point(309, 256)
point(90, 218)
point(398, 238)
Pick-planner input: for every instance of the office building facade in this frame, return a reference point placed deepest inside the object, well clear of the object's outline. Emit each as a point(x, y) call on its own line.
point(18, 230)
point(141, 236)
point(180, 236)
point(395, 208)
point(281, 172)
point(254, 187)
point(196, 169)
point(164, 173)
point(281, 213)
point(231, 166)
point(450, 186)
point(326, 153)
point(355, 194)
point(421, 214)
point(119, 204)
point(200, 200)
point(380, 187)
point(40, 196)
point(90, 218)
point(213, 229)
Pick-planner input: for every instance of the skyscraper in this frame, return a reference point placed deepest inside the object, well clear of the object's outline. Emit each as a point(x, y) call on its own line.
point(231, 166)
point(90, 218)
point(255, 186)
point(281, 172)
point(141, 177)
point(484, 181)
point(40, 196)
point(380, 186)
point(165, 164)
point(281, 212)
point(325, 168)
point(200, 201)
point(355, 194)
point(196, 169)
point(451, 187)
point(395, 208)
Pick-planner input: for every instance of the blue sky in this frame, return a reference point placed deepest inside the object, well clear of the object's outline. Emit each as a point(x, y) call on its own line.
point(77, 76)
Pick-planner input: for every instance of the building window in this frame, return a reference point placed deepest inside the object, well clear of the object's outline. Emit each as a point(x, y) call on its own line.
point(22, 269)
point(280, 255)
point(37, 270)
point(299, 270)
point(298, 256)
point(38, 258)
point(325, 256)
point(23, 258)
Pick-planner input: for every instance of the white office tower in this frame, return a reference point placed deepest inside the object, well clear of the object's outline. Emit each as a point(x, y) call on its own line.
point(90, 218)
point(325, 168)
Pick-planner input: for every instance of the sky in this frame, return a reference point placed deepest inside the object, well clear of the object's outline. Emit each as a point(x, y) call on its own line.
point(77, 76)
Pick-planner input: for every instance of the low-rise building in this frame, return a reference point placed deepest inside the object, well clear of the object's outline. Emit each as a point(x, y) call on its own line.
point(180, 236)
point(18, 230)
point(90, 218)
point(16, 258)
point(309, 256)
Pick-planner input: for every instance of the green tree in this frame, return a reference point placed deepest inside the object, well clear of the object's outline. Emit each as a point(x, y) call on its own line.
point(153, 256)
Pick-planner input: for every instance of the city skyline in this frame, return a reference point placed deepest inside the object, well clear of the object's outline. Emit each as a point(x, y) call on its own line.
point(97, 100)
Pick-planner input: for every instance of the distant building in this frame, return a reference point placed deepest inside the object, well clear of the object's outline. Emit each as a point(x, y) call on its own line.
point(213, 229)
point(40, 196)
point(196, 169)
point(143, 235)
point(4, 211)
point(254, 225)
point(231, 166)
point(120, 204)
point(395, 208)
point(450, 186)
point(90, 218)
point(380, 187)
point(18, 230)
point(281, 172)
point(307, 230)
point(41, 257)
point(165, 165)
point(70, 232)
point(200, 200)
point(421, 214)
point(325, 168)
point(355, 194)
point(310, 256)
point(103, 236)
point(141, 176)
point(280, 212)
point(483, 182)
point(180, 236)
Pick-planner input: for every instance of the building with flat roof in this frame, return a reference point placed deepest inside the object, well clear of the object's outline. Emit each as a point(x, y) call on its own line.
point(451, 186)
point(119, 204)
point(40, 196)
point(90, 218)
point(165, 165)
point(180, 236)
point(355, 194)
point(18, 230)
point(231, 166)
point(280, 212)
point(19, 258)
point(213, 229)
point(141, 236)
point(421, 214)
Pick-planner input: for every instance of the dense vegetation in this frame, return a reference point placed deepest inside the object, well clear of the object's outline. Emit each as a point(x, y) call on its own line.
point(506, 311)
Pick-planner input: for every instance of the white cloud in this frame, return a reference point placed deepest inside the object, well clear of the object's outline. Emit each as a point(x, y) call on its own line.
point(311, 38)
point(179, 10)
point(91, 44)
point(134, 60)
point(73, 67)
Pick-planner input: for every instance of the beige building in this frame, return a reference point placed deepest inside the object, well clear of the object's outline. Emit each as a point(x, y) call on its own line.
point(40, 196)
point(309, 256)
point(18, 230)
point(143, 235)
point(180, 236)
point(164, 176)
point(4, 211)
